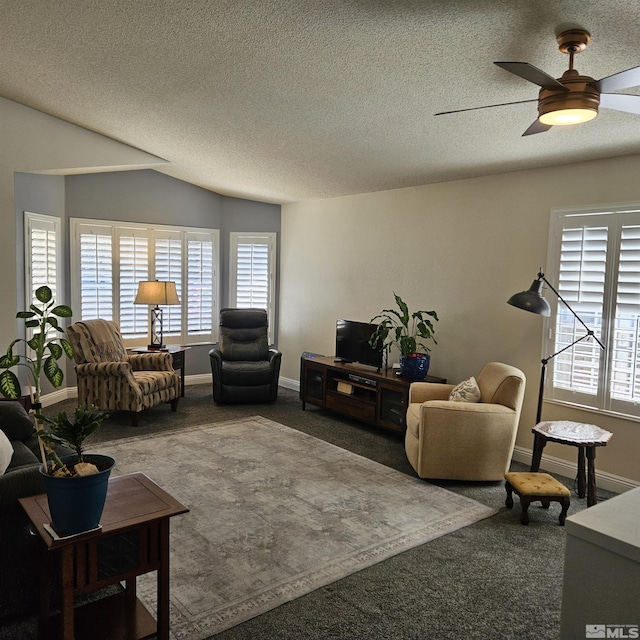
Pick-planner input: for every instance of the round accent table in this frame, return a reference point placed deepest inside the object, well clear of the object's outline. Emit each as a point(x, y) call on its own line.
point(585, 437)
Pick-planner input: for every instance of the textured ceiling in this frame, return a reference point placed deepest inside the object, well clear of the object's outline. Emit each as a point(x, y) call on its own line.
point(286, 100)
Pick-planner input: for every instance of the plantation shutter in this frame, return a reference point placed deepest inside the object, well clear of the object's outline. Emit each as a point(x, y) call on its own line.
point(42, 238)
point(96, 272)
point(168, 267)
point(200, 280)
point(133, 261)
point(583, 265)
point(625, 364)
point(252, 273)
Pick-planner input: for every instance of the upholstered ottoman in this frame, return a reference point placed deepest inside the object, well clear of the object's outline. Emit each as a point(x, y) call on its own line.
point(532, 487)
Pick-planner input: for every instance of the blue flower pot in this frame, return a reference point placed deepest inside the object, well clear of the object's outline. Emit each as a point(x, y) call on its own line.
point(76, 504)
point(415, 366)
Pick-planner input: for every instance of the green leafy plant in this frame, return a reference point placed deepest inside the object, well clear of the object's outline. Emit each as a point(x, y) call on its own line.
point(45, 348)
point(73, 432)
point(403, 329)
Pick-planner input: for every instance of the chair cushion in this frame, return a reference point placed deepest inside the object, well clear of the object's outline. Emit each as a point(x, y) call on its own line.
point(6, 452)
point(466, 391)
point(15, 421)
point(246, 374)
point(243, 334)
point(152, 381)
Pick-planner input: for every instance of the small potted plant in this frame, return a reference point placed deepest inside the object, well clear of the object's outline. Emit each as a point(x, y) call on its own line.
point(410, 333)
point(43, 350)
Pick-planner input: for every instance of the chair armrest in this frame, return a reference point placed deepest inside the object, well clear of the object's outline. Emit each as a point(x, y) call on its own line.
point(423, 391)
point(459, 417)
point(159, 361)
point(104, 369)
point(21, 483)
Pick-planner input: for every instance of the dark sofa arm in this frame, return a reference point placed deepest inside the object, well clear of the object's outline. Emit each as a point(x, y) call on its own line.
point(21, 483)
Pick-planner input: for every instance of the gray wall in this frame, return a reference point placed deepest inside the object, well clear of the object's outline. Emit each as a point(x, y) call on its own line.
point(144, 196)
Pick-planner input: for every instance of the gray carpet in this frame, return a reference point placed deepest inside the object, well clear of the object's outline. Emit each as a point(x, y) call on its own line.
point(275, 514)
point(495, 579)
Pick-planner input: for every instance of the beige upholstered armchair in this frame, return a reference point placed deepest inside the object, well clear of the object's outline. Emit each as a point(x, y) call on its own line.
point(465, 440)
point(113, 380)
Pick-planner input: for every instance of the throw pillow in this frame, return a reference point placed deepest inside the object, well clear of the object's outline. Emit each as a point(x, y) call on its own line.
point(15, 421)
point(466, 391)
point(6, 452)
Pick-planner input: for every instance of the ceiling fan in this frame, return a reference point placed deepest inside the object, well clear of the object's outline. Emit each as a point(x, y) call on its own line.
point(573, 98)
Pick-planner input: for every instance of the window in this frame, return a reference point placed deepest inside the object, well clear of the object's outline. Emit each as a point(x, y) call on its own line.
point(595, 261)
point(109, 259)
point(42, 256)
point(252, 273)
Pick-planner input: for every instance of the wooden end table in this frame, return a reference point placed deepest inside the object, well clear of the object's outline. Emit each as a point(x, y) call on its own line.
point(585, 437)
point(177, 354)
point(133, 540)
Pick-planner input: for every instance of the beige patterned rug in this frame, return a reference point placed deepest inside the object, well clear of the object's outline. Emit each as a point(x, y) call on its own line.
point(274, 514)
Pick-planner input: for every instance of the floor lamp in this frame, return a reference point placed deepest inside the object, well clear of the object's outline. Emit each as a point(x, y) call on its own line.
point(156, 292)
point(533, 300)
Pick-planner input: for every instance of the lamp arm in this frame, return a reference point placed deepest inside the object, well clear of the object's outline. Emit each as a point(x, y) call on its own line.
point(590, 332)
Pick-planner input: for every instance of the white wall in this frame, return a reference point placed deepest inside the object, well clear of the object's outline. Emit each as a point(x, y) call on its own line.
point(461, 248)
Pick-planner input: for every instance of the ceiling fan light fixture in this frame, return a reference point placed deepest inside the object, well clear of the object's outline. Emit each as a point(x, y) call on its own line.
point(568, 116)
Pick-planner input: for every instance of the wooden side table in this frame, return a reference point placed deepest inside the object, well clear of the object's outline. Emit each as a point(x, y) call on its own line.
point(178, 355)
point(133, 540)
point(584, 436)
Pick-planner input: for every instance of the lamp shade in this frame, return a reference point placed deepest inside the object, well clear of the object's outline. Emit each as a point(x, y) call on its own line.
point(531, 300)
point(156, 292)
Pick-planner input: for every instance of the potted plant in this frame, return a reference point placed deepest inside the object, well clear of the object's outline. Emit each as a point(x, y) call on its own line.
point(410, 333)
point(44, 348)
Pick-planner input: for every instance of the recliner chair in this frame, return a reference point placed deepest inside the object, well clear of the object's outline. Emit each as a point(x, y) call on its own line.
point(451, 440)
point(113, 380)
point(244, 368)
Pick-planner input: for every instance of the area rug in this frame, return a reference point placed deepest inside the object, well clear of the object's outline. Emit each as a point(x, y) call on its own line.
point(274, 514)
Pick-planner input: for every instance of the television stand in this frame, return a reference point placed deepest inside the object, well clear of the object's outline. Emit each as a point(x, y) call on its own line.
point(379, 398)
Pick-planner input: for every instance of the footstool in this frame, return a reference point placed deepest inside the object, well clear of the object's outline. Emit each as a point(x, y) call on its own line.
point(532, 487)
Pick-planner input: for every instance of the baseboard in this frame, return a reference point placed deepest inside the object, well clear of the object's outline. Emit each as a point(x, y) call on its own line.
point(288, 383)
point(608, 481)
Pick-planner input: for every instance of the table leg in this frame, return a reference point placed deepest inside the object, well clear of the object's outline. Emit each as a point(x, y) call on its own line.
point(581, 473)
point(66, 606)
point(539, 443)
point(163, 581)
point(592, 496)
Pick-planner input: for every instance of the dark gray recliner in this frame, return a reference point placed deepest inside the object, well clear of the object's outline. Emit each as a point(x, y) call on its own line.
point(244, 368)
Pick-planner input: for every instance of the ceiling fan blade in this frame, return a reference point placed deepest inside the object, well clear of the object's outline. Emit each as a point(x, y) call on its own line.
point(532, 74)
point(487, 106)
point(536, 127)
point(622, 80)
point(620, 102)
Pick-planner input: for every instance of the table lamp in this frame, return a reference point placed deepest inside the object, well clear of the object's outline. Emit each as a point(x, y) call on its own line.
point(532, 300)
point(156, 292)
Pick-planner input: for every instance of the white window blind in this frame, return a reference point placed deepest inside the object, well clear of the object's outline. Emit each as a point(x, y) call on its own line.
point(252, 272)
point(42, 251)
point(168, 267)
point(596, 263)
point(200, 284)
point(94, 250)
point(109, 259)
point(133, 266)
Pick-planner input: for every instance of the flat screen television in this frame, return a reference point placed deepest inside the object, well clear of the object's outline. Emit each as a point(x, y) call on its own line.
point(352, 343)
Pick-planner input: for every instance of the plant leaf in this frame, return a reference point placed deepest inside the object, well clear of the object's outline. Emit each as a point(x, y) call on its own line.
point(53, 372)
point(44, 294)
point(62, 311)
point(66, 346)
point(55, 350)
point(10, 385)
point(25, 314)
point(7, 361)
